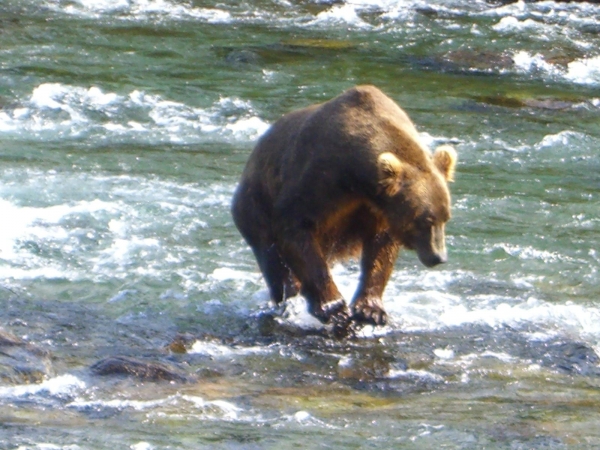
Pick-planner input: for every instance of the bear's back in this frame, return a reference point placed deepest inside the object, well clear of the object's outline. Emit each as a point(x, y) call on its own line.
point(340, 140)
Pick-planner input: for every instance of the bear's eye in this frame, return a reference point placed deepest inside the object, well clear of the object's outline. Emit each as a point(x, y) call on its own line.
point(428, 221)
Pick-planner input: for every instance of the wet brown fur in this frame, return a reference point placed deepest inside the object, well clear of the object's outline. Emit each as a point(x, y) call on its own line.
point(317, 188)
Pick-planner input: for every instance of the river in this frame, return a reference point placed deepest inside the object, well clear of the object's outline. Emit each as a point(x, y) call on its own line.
point(124, 127)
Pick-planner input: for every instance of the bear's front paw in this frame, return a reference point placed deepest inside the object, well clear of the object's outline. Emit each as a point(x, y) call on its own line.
point(370, 312)
point(337, 314)
point(335, 311)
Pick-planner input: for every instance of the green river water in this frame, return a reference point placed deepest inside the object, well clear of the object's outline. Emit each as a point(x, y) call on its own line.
point(124, 127)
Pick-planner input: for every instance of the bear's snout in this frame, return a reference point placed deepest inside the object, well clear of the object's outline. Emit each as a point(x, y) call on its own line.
point(431, 246)
point(433, 259)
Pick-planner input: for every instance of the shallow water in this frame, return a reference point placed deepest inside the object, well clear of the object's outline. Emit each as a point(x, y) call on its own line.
point(124, 126)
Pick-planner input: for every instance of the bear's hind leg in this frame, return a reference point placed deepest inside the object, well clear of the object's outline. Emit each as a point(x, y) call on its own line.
point(279, 278)
point(253, 223)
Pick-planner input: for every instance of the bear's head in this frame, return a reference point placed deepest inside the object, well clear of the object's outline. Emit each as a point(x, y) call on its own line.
point(416, 201)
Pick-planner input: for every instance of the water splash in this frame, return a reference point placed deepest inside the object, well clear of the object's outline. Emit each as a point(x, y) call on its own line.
point(56, 111)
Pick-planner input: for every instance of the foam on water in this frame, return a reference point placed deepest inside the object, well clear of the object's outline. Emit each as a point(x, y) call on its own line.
point(225, 409)
point(527, 252)
point(160, 10)
point(345, 14)
point(419, 311)
point(584, 71)
point(569, 12)
point(140, 10)
point(560, 140)
point(527, 63)
point(42, 226)
point(217, 350)
point(303, 418)
point(141, 446)
point(422, 375)
point(58, 111)
point(48, 446)
point(78, 236)
point(60, 387)
point(191, 407)
point(296, 313)
point(517, 9)
point(413, 308)
point(203, 409)
point(511, 24)
point(518, 17)
point(580, 71)
point(225, 273)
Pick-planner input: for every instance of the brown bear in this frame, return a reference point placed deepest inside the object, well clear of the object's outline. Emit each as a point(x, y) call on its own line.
point(346, 177)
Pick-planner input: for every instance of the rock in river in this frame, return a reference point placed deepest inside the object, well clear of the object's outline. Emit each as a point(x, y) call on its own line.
point(22, 362)
point(138, 368)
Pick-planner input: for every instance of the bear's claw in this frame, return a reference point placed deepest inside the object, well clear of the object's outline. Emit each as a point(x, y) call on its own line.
point(332, 311)
point(369, 313)
point(335, 313)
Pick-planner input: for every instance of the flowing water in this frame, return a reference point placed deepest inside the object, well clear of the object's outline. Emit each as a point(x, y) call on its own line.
point(124, 126)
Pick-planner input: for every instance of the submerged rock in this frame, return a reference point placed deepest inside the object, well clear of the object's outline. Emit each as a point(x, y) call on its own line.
point(181, 343)
point(324, 44)
point(478, 61)
point(243, 57)
point(143, 370)
point(22, 362)
point(288, 50)
point(470, 61)
point(508, 101)
point(572, 358)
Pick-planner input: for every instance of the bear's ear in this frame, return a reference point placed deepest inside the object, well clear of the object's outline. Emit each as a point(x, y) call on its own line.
point(445, 160)
point(390, 173)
